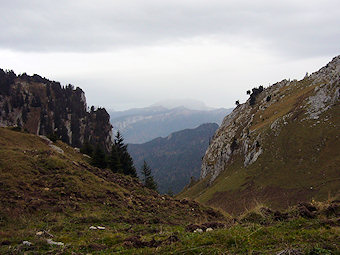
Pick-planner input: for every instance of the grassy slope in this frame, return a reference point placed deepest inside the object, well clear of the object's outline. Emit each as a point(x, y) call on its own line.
point(41, 189)
point(61, 194)
point(299, 164)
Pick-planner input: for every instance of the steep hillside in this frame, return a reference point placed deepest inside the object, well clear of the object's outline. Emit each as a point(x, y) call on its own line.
point(279, 148)
point(50, 188)
point(44, 107)
point(53, 202)
point(176, 158)
point(144, 124)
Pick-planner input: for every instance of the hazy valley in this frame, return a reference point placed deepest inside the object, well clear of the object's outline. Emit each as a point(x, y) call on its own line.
point(175, 159)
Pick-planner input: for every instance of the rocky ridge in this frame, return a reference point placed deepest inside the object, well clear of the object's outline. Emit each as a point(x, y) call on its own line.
point(242, 131)
point(44, 107)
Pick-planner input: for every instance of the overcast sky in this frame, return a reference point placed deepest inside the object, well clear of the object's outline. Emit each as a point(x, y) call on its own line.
point(133, 53)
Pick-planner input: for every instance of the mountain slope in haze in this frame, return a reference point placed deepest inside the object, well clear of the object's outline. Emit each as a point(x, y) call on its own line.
point(186, 103)
point(144, 124)
point(44, 107)
point(279, 148)
point(176, 158)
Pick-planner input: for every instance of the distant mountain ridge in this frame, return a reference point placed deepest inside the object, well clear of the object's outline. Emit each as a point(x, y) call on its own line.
point(144, 124)
point(186, 103)
point(176, 158)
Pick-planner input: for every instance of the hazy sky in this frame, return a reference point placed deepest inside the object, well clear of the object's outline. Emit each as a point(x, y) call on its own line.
point(132, 53)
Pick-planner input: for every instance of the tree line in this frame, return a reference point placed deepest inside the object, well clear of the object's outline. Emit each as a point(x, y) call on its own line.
point(118, 160)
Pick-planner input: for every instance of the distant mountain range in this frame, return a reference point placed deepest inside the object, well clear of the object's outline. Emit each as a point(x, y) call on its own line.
point(176, 158)
point(140, 125)
point(187, 103)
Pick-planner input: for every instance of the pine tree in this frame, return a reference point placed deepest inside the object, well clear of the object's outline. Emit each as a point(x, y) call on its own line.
point(119, 142)
point(87, 148)
point(114, 161)
point(124, 156)
point(64, 134)
point(148, 180)
point(127, 164)
point(98, 158)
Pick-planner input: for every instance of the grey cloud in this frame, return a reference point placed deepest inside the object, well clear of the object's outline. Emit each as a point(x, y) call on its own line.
point(308, 28)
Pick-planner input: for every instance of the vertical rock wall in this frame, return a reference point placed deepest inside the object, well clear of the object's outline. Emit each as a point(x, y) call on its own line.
point(44, 107)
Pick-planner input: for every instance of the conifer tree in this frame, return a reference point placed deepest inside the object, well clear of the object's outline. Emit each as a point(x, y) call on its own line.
point(127, 164)
point(87, 148)
point(98, 157)
point(125, 159)
point(119, 142)
point(114, 161)
point(148, 180)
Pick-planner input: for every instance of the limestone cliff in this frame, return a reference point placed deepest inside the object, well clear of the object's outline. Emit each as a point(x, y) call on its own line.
point(44, 107)
point(243, 130)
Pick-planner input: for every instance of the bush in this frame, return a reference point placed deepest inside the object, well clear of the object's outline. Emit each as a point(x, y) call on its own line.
point(254, 94)
point(17, 129)
point(53, 137)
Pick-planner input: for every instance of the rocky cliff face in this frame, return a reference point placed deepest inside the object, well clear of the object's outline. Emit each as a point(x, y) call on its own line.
point(44, 107)
point(243, 131)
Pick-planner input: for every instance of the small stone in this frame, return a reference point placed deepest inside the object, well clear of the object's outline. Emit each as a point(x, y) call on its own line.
point(27, 243)
point(56, 148)
point(50, 241)
point(47, 140)
point(198, 230)
point(208, 230)
point(75, 163)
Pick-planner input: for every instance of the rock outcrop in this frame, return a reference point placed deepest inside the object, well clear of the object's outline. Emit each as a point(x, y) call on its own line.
point(242, 132)
point(44, 107)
